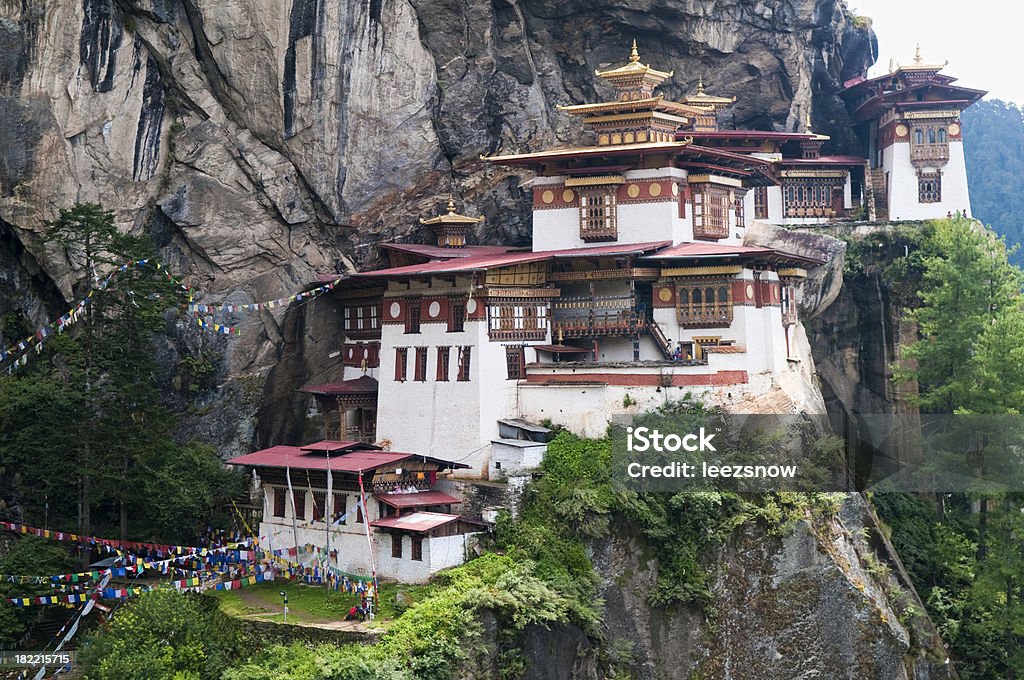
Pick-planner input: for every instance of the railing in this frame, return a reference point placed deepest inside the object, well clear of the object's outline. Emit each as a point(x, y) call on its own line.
point(518, 328)
point(716, 317)
point(580, 317)
point(659, 338)
point(929, 152)
point(809, 211)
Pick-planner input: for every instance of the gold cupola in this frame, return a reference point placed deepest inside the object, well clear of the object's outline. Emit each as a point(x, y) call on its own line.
point(451, 228)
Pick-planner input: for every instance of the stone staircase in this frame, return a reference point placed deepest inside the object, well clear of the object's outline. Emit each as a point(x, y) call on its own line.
point(659, 338)
point(876, 195)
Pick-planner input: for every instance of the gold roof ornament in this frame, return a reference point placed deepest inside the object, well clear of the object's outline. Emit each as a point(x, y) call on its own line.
point(919, 64)
point(809, 131)
point(704, 100)
point(634, 73)
point(451, 217)
point(451, 228)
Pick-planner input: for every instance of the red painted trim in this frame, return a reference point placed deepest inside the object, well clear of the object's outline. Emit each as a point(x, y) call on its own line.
point(641, 379)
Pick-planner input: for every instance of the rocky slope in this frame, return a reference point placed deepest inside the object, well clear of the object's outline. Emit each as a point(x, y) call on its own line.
point(260, 143)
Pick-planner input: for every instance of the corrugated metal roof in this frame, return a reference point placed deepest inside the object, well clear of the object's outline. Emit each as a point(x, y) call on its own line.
point(418, 521)
point(361, 385)
point(421, 499)
point(330, 446)
point(709, 249)
point(349, 461)
point(484, 262)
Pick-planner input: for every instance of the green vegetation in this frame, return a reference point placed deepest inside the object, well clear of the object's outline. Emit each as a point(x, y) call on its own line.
point(162, 634)
point(994, 151)
point(29, 556)
point(965, 552)
point(85, 424)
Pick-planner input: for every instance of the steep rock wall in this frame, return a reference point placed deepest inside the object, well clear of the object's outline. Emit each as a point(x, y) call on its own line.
point(262, 143)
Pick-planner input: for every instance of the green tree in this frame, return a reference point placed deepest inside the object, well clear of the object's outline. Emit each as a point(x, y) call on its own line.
point(967, 284)
point(29, 556)
point(162, 634)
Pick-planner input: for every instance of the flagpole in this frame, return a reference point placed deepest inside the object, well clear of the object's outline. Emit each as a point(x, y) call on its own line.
point(369, 543)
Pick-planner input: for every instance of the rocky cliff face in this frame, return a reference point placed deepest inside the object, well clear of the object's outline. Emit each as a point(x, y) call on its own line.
point(260, 143)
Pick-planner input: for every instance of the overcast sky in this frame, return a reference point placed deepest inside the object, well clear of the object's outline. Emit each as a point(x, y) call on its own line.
point(979, 38)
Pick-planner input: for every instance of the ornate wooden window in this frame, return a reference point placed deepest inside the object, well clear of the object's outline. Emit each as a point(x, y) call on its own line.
point(741, 221)
point(443, 360)
point(456, 317)
point(929, 187)
point(710, 212)
point(598, 214)
point(319, 505)
point(417, 548)
point(412, 319)
point(705, 304)
point(810, 196)
point(515, 362)
point(396, 545)
point(464, 354)
point(280, 502)
point(930, 142)
point(362, 320)
point(421, 364)
point(760, 203)
point(300, 504)
point(401, 361)
point(518, 319)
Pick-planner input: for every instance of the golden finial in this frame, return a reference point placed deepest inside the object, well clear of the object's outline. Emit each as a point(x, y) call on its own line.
point(892, 65)
point(451, 204)
point(917, 54)
point(634, 56)
point(700, 85)
point(807, 120)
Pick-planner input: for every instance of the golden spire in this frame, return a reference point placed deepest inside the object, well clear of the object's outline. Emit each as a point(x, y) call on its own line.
point(700, 85)
point(892, 65)
point(807, 121)
point(634, 56)
point(451, 204)
point(917, 55)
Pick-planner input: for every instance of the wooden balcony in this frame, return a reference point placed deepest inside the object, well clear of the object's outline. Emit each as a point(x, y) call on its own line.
point(590, 317)
point(929, 152)
point(705, 318)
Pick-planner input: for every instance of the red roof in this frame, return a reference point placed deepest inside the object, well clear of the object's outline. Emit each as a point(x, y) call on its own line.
point(361, 385)
point(484, 262)
point(412, 500)
point(417, 521)
point(710, 250)
point(826, 160)
point(329, 446)
point(352, 461)
point(440, 253)
point(718, 250)
point(745, 134)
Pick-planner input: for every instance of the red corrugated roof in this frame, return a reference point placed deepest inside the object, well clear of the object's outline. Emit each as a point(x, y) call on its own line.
point(710, 250)
point(412, 500)
point(437, 252)
point(329, 446)
point(307, 458)
point(825, 160)
point(484, 262)
point(713, 250)
point(361, 385)
point(418, 521)
point(293, 456)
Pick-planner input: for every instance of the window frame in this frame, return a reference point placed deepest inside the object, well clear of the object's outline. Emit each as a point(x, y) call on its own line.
point(444, 355)
point(416, 548)
point(413, 317)
point(280, 501)
point(515, 362)
point(420, 365)
point(396, 546)
point(465, 363)
point(401, 364)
